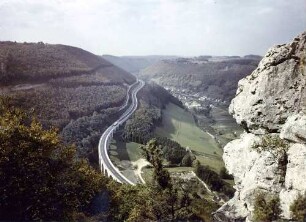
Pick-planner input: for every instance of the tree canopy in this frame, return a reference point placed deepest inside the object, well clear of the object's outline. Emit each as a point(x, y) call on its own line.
point(40, 178)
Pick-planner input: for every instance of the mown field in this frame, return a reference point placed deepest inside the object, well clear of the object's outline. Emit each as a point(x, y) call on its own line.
point(225, 127)
point(179, 125)
point(125, 151)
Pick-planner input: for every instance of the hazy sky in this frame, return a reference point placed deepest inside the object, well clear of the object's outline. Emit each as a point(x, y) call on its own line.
point(163, 27)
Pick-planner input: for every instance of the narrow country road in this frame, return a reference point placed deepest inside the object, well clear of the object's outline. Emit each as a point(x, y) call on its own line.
point(106, 165)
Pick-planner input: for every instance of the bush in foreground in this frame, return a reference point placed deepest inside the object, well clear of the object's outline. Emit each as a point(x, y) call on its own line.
point(298, 208)
point(40, 178)
point(266, 208)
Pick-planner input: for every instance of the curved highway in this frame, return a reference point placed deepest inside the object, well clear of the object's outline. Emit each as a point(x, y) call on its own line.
point(107, 167)
point(124, 105)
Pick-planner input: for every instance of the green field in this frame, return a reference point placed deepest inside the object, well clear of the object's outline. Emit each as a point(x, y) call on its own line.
point(179, 125)
point(125, 151)
point(224, 127)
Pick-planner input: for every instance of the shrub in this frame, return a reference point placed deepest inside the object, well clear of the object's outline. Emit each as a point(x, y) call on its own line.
point(187, 160)
point(278, 148)
point(225, 175)
point(40, 177)
point(298, 208)
point(213, 180)
point(266, 208)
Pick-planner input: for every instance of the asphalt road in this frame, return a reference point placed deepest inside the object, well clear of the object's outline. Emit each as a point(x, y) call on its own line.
point(107, 136)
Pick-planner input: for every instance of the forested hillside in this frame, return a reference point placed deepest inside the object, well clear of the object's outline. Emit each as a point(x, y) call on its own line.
point(213, 78)
point(39, 62)
point(42, 180)
point(63, 86)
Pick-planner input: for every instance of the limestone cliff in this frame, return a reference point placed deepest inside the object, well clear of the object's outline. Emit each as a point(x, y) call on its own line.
point(270, 157)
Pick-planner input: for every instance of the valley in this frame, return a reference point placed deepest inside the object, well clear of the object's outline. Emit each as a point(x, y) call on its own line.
point(202, 125)
point(153, 111)
point(180, 115)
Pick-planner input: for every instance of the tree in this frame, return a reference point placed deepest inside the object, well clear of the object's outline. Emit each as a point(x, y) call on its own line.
point(152, 153)
point(40, 178)
point(187, 160)
point(266, 208)
point(163, 200)
point(225, 175)
point(212, 179)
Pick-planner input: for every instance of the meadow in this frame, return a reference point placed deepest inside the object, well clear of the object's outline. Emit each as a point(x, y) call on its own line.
point(179, 125)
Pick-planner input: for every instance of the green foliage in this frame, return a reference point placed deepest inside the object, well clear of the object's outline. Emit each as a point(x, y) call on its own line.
point(153, 98)
point(187, 160)
point(141, 127)
point(298, 208)
point(165, 199)
point(159, 97)
point(42, 62)
point(266, 208)
point(152, 153)
point(273, 144)
point(213, 180)
point(40, 178)
point(171, 150)
point(278, 148)
point(59, 105)
point(85, 133)
point(217, 79)
point(150, 203)
point(225, 175)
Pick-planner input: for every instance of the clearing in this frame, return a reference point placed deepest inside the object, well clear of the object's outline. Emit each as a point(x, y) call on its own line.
point(179, 125)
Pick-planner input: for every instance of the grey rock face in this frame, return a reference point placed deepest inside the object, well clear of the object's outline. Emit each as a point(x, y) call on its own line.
point(274, 91)
point(259, 172)
point(270, 101)
point(295, 181)
point(295, 129)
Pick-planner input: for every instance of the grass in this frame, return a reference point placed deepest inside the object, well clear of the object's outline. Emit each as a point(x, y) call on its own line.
point(179, 125)
point(225, 127)
point(178, 169)
point(121, 154)
point(147, 174)
point(125, 151)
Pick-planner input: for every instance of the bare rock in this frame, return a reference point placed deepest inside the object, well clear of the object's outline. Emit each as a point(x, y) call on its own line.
point(253, 172)
point(295, 181)
point(272, 100)
point(294, 129)
point(274, 91)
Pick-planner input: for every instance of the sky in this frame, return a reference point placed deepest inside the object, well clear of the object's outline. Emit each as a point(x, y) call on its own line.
point(155, 27)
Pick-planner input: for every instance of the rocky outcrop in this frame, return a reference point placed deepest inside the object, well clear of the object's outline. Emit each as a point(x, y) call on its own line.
point(295, 129)
point(274, 91)
point(269, 103)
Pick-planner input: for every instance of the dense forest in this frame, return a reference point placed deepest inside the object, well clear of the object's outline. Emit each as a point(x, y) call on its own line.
point(43, 179)
point(65, 87)
point(39, 62)
point(40, 178)
point(48, 161)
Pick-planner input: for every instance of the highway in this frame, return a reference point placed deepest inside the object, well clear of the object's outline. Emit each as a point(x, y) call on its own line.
point(107, 167)
point(124, 105)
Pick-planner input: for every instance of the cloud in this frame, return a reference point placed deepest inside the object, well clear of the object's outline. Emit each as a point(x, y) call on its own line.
point(138, 27)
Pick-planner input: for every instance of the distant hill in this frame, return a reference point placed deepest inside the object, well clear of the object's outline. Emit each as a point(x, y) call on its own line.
point(205, 76)
point(69, 88)
point(134, 64)
point(66, 87)
point(39, 62)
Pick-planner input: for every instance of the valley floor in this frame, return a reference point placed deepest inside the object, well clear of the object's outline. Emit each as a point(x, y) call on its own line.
point(179, 125)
